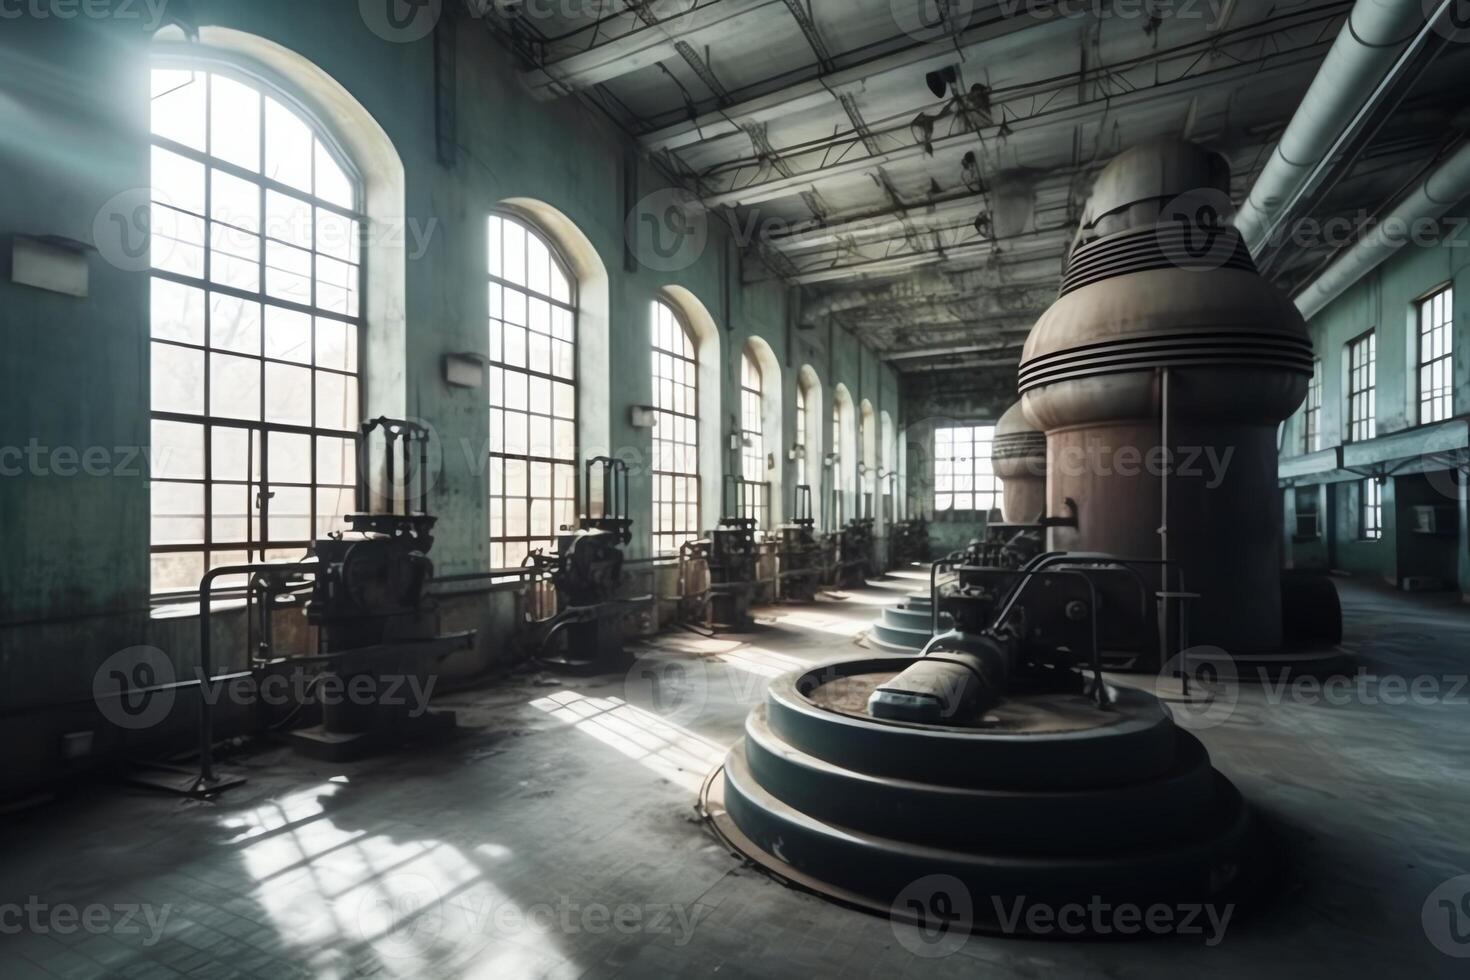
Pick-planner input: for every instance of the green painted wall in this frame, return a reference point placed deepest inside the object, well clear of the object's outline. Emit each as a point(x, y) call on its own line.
point(1384, 301)
point(74, 118)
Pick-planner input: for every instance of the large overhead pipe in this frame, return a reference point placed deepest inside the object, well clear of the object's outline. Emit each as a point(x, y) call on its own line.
point(1446, 186)
point(1366, 49)
point(1156, 291)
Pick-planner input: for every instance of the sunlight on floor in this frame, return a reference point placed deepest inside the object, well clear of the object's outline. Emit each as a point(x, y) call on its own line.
point(766, 663)
point(351, 902)
point(674, 753)
point(837, 625)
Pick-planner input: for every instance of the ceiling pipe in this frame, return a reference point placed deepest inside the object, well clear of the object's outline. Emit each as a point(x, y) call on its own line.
point(1366, 49)
point(1446, 186)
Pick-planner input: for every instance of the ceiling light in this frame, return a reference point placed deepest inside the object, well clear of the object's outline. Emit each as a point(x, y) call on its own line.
point(942, 81)
point(923, 130)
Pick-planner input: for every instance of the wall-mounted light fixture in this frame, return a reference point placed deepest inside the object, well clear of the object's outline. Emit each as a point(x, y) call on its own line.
point(465, 370)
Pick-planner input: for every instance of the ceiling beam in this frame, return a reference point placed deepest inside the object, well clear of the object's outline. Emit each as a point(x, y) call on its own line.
point(1052, 112)
point(822, 90)
point(948, 352)
point(640, 44)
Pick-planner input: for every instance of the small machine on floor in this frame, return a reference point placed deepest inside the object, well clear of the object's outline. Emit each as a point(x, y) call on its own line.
point(909, 542)
point(730, 550)
point(379, 633)
point(799, 554)
point(587, 574)
point(853, 562)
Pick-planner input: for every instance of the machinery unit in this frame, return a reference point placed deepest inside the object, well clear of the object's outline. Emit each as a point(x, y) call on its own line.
point(1159, 376)
point(799, 555)
point(853, 562)
point(1018, 458)
point(909, 542)
point(378, 627)
point(730, 550)
point(999, 755)
point(586, 571)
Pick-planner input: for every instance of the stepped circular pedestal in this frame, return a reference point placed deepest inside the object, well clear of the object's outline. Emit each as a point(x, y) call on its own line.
point(1043, 798)
point(908, 625)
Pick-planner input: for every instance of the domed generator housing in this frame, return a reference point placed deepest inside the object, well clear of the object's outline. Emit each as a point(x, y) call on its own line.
point(1018, 457)
point(1165, 342)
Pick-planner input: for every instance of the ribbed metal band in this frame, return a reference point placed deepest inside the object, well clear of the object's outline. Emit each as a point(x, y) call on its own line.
point(1166, 246)
point(1018, 445)
point(1193, 348)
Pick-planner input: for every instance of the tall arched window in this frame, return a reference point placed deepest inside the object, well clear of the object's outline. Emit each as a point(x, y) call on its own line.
point(838, 484)
point(801, 423)
point(256, 326)
point(752, 442)
point(533, 393)
point(675, 432)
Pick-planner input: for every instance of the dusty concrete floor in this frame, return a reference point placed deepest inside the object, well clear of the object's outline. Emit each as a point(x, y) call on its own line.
point(558, 838)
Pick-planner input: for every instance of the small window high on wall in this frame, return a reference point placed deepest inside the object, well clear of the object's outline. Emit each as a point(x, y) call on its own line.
point(963, 480)
point(675, 431)
point(1363, 388)
point(1436, 356)
point(1312, 411)
point(533, 394)
point(256, 327)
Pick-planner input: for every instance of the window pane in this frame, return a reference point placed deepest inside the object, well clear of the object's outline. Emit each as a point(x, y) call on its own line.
point(287, 147)
point(178, 107)
point(177, 451)
point(332, 184)
point(234, 386)
point(178, 312)
point(234, 122)
point(178, 379)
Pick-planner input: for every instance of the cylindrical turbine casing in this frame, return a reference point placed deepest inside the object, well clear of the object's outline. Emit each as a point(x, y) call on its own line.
point(1018, 457)
point(1173, 298)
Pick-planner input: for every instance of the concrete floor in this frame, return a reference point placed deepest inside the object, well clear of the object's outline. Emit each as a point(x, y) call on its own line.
point(558, 838)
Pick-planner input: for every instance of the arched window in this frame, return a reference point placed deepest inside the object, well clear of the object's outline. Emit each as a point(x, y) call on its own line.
point(256, 326)
point(752, 443)
point(839, 487)
point(533, 393)
point(801, 423)
point(675, 432)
